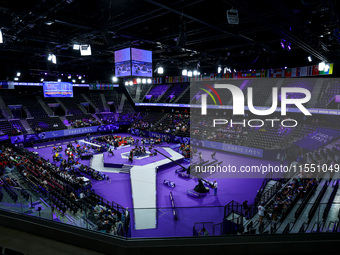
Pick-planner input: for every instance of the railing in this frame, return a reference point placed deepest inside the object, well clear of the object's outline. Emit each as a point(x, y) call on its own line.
point(210, 218)
point(304, 202)
point(199, 226)
point(317, 202)
point(270, 176)
point(330, 201)
point(290, 207)
point(266, 196)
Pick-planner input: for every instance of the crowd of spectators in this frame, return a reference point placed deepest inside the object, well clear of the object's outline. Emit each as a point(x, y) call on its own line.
point(174, 123)
point(113, 140)
point(88, 122)
point(105, 119)
point(63, 187)
point(299, 187)
point(109, 221)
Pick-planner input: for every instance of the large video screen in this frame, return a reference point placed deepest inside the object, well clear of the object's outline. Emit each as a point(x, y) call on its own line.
point(122, 55)
point(143, 69)
point(58, 89)
point(141, 55)
point(133, 62)
point(123, 69)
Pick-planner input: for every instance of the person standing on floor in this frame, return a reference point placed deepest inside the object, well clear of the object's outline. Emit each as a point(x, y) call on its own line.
point(215, 188)
point(261, 212)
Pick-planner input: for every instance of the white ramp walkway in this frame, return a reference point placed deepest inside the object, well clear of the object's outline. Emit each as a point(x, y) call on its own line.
point(143, 185)
point(83, 141)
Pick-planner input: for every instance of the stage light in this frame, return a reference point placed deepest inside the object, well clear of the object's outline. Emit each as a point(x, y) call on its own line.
point(289, 48)
point(143, 80)
point(195, 73)
point(189, 73)
point(235, 70)
point(18, 74)
point(54, 59)
point(49, 57)
point(309, 58)
point(184, 72)
point(42, 79)
point(130, 83)
point(76, 46)
point(82, 81)
point(126, 83)
point(139, 80)
point(321, 66)
point(59, 80)
point(79, 77)
point(283, 43)
point(219, 69)
point(85, 50)
point(16, 78)
point(198, 73)
point(149, 81)
point(1, 38)
point(74, 81)
point(69, 77)
point(285, 67)
point(114, 79)
point(160, 70)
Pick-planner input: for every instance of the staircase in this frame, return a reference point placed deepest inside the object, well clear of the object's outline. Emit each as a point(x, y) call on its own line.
point(160, 121)
point(61, 105)
point(82, 108)
point(26, 126)
point(5, 111)
point(125, 169)
point(160, 96)
point(250, 137)
point(90, 102)
point(96, 117)
point(138, 91)
point(44, 106)
point(28, 114)
point(141, 100)
point(269, 184)
point(121, 105)
point(106, 106)
point(65, 121)
point(174, 100)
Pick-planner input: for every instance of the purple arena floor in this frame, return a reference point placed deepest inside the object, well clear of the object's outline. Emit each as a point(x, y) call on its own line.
point(190, 210)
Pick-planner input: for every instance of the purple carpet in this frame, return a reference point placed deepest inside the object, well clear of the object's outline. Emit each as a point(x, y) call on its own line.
point(190, 210)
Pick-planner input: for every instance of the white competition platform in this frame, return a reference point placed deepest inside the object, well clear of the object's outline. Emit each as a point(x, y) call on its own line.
point(143, 185)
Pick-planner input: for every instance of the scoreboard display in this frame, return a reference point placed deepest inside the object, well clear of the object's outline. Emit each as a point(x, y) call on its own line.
point(57, 89)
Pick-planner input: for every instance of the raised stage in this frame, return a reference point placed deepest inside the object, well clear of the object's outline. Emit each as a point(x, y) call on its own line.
point(121, 157)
